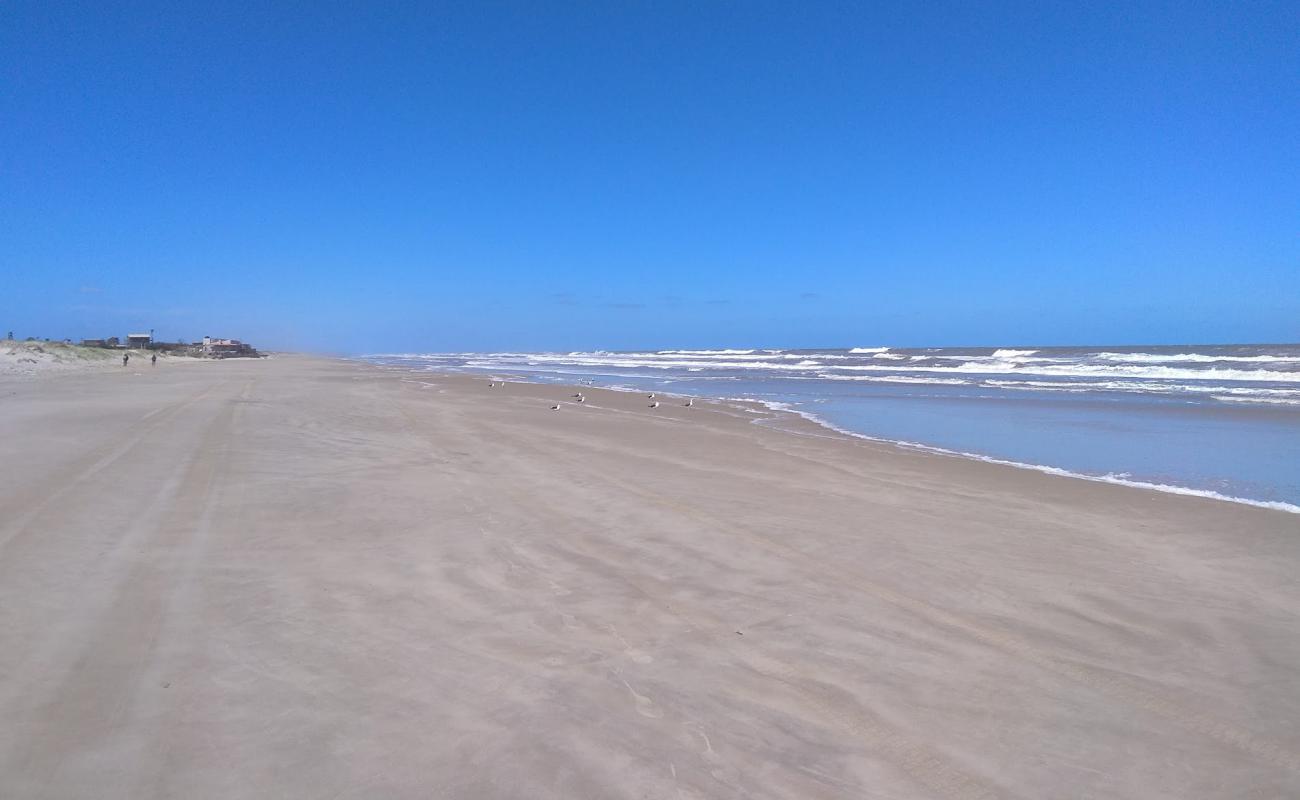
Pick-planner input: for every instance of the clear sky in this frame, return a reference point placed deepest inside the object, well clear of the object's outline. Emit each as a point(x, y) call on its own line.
point(362, 177)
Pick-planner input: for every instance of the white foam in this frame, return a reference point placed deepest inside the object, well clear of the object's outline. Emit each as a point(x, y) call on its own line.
point(699, 352)
point(1005, 367)
point(1203, 358)
point(899, 379)
point(1033, 372)
point(1267, 400)
point(643, 361)
point(863, 350)
point(1019, 372)
point(1012, 353)
point(1147, 387)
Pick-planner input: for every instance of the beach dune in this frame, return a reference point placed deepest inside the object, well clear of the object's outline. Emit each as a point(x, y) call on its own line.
point(311, 578)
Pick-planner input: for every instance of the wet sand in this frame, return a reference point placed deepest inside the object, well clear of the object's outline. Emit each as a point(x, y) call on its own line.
point(309, 578)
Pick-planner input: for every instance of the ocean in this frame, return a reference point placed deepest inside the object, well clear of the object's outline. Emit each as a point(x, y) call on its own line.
point(1221, 420)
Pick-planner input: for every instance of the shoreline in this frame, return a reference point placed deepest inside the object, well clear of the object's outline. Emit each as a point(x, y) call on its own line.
point(787, 408)
point(1114, 480)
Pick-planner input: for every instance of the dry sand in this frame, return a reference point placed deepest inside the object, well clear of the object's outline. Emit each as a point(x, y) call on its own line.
point(304, 578)
point(36, 358)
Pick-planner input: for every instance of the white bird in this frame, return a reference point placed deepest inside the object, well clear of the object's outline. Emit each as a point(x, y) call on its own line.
point(579, 394)
point(581, 399)
point(655, 404)
point(492, 386)
point(690, 403)
point(555, 408)
point(651, 395)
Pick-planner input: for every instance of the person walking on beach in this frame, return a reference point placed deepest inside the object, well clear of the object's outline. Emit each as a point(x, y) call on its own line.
point(153, 360)
point(125, 358)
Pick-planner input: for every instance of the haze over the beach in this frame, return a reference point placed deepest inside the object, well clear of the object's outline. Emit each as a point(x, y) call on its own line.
point(478, 177)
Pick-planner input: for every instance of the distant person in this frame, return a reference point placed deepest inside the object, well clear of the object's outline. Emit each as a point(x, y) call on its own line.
point(153, 360)
point(125, 358)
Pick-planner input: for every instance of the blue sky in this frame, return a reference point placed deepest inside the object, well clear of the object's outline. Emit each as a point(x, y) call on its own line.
point(478, 176)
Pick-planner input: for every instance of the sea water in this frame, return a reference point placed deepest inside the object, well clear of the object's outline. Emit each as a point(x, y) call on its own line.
point(1221, 420)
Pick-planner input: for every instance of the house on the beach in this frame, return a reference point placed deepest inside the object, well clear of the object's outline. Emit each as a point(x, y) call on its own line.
point(111, 341)
point(139, 341)
point(226, 348)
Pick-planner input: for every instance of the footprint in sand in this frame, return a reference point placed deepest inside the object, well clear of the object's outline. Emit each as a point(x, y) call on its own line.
point(640, 657)
point(696, 729)
point(644, 705)
point(637, 656)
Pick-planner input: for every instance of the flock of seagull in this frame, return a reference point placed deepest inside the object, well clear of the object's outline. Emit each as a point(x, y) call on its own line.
point(690, 401)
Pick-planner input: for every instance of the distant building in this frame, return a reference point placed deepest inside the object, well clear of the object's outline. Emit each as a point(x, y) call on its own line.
point(226, 348)
point(139, 340)
point(111, 341)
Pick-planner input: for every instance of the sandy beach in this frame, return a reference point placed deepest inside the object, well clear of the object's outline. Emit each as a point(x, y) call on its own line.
point(32, 358)
point(308, 578)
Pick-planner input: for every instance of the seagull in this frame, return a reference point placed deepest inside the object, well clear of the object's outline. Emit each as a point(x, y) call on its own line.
point(579, 394)
point(690, 403)
point(655, 404)
point(651, 395)
point(492, 386)
point(555, 408)
point(581, 399)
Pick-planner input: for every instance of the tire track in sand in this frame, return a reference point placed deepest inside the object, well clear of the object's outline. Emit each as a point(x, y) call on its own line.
point(105, 675)
point(23, 513)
